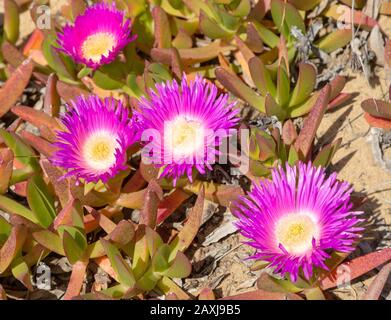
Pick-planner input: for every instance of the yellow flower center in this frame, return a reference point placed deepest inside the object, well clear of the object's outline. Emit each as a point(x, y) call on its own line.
point(296, 231)
point(99, 151)
point(187, 136)
point(98, 45)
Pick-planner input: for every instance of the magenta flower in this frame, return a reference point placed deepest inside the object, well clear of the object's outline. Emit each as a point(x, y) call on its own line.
point(298, 218)
point(186, 118)
point(97, 36)
point(93, 146)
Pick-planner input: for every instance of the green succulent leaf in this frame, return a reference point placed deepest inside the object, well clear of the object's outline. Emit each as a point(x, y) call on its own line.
point(325, 155)
point(267, 36)
point(239, 89)
point(283, 86)
point(335, 40)
point(59, 62)
point(49, 240)
point(180, 267)
point(14, 207)
point(305, 84)
point(11, 21)
point(305, 4)
point(22, 152)
point(40, 201)
point(261, 77)
point(286, 16)
point(74, 242)
point(120, 266)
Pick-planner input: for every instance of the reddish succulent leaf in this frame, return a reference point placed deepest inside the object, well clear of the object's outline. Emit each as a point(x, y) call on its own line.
point(336, 86)
point(133, 200)
point(104, 222)
point(377, 108)
point(377, 122)
point(219, 193)
point(76, 281)
point(91, 221)
point(15, 85)
point(52, 101)
point(289, 133)
point(39, 119)
point(232, 83)
point(61, 186)
point(343, 13)
point(358, 267)
point(162, 28)
point(304, 4)
point(170, 204)
point(3, 294)
point(153, 196)
point(123, 233)
point(70, 92)
point(376, 287)
point(254, 41)
point(35, 254)
point(64, 217)
point(105, 265)
point(191, 56)
point(190, 229)
point(135, 183)
point(148, 171)
point(206, 294)
point(263, 295)
point(12, 246)
point(259, 10)
point(306, 137)
point(6, 168)
point(11, 54)
point(340, 100)
point(20, 270)
point(39, 144)
point(34, 42)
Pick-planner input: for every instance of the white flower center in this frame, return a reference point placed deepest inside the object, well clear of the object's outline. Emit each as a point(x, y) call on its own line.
point(295, 232)
point(98, 45)
point(186, 136)
point(99, 150)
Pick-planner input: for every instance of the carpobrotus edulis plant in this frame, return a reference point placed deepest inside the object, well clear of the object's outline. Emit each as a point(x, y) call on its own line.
point(296, 219)
point(185, 118)
point(97, 36)
point(93, 146)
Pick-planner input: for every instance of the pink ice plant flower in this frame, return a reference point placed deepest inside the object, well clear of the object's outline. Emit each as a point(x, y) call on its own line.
point(97, 36)
point(298, 218)
point(95, 139)
point(186, 117)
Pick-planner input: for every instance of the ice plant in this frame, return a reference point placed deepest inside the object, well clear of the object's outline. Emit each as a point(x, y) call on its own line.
point(298, 218)
point(97, 36)
point(98, 133)
point(186, 117)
